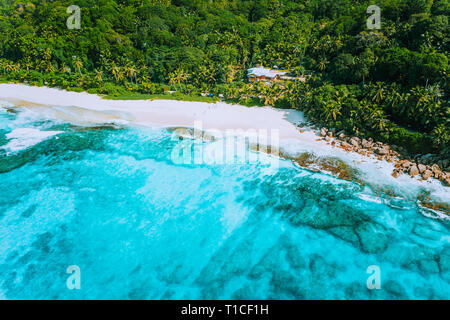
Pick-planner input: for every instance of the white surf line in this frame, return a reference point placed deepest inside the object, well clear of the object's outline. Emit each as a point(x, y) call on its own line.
point(23, 138)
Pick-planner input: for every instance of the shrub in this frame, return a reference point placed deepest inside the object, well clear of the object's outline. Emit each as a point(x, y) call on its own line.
point(93, 90)
point(76, 89)
point(414, 142)
point(111, 89)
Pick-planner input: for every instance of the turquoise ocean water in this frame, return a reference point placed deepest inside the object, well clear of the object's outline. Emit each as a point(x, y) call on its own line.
point(111, 201)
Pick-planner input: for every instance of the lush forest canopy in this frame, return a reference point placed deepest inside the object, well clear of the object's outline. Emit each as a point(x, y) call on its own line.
point(391, 84)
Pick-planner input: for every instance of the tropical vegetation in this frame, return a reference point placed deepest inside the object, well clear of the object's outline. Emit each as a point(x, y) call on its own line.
point(389, 83)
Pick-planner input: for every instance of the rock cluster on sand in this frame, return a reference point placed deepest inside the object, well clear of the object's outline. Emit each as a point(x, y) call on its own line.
point(427, 166)
point(416, 167)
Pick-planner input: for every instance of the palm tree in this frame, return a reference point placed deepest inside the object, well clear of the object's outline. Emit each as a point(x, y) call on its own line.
point(172, 79)
point(231, 72)
point(434, 91)
point(9, 67)
point(323, 64)
point(115, 71)
point(378, 97)
point(278, 92)
point(333, 109)
point(65, 69)
point(211, 79)
point(205, 74)
point(78, 64)
point(144, 79)
point(131, 72)
point(180, 76)
point(270, 94)
point(269, 100)
point(374, 118)
point(120, 75)
point(98, 75)
point(49, 67)
point(245, 93)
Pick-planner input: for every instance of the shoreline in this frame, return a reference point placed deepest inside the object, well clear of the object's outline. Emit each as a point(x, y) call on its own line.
point(295, 141)
point(94, 109)
point(424, 166)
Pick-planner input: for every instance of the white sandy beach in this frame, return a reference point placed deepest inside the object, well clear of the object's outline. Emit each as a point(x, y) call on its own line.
point(163, 113)
point(84, 108)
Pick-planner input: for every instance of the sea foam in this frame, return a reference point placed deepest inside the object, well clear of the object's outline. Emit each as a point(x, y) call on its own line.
point(4, 105)
point(23, 138)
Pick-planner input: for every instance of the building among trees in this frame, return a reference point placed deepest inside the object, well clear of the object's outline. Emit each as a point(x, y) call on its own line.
point(270, 75)
point(264, 74)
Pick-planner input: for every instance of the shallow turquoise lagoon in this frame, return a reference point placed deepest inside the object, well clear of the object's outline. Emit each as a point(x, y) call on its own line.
point(111, 201)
